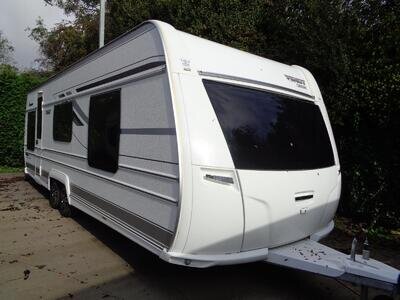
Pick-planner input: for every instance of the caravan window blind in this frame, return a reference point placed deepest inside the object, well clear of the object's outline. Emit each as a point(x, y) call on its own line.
point(62, 122)
point(30, 132)
point(267, 131)
point(104, 131)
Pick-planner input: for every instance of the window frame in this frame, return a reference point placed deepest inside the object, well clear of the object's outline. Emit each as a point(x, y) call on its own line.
point(92, 156)
point(263, 154)
point(30, 140)
point(39, 117)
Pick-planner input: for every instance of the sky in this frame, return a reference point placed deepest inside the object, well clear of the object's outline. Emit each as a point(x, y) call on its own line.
point(16, 16)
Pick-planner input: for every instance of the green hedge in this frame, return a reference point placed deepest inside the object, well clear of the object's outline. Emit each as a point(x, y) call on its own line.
point(14, 87)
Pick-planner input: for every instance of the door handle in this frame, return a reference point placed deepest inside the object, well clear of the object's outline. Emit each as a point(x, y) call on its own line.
point(305, 197)
point(219, 179)
point(302, 196)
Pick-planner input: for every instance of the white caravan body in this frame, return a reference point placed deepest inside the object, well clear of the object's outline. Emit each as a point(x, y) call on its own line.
point(201, 153)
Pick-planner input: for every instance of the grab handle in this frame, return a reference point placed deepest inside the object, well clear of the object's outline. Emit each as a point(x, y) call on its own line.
point(303, 197)
point(219, 179)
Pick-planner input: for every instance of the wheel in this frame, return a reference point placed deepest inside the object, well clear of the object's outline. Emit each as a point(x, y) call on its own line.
point(54, 199)
point(65, 209)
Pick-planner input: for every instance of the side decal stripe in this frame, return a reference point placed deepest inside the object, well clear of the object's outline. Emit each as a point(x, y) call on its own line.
point(143, 225)
point(30, 166)
point(149, 131)
point(121, 75)
point(270, 85)
point(79, 111)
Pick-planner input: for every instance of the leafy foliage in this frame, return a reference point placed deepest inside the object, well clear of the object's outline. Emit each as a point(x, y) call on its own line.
point(14, 87)
point(64, 44)
point(5, 50)
point(351, 46)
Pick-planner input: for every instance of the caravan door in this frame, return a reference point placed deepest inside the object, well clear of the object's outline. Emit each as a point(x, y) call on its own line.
point(30, 137)
point(33, 136)
point(38, 140)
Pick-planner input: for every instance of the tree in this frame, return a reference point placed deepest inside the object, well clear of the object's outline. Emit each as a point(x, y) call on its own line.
point(66, 43)
point(6, 50)
point(231, 22)
point(351, 46)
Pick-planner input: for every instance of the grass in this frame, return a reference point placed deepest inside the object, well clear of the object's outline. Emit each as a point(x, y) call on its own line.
point(7, 169)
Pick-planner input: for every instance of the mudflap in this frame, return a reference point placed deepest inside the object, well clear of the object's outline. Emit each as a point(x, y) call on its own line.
point(311, 256)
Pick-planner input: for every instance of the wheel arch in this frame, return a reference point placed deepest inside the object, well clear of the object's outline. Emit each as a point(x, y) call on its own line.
point(62, 178)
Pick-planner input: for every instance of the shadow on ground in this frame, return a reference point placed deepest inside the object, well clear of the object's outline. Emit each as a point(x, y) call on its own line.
point(145, 276)
point(153, 278)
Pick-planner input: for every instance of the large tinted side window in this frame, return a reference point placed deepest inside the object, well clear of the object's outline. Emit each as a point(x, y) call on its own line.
point(267, 131)
point(39, 118)
point(104, 131)
point(62, 122)
point(30, 133)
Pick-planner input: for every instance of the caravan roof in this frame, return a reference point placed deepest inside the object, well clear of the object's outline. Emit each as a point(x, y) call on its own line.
point(188, 53)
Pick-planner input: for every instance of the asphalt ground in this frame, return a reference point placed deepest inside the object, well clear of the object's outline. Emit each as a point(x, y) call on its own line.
point(46, 256)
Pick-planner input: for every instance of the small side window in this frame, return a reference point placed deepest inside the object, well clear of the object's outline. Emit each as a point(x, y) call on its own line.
point(104, 131)
point(30, 131)
point(62, 122)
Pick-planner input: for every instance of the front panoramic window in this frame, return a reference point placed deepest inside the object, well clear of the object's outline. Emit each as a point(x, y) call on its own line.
point(267, 131)
point(104, 131)
point(62, 122)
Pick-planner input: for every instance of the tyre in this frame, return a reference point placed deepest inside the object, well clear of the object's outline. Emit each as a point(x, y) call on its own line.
point(27, 177)
point(54, 199)
point(65, 209)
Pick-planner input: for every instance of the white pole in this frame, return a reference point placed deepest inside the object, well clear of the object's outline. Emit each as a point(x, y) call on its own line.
point(101, 25)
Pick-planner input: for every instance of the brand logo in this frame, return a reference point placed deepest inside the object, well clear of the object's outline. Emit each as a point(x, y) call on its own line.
point(299, 82)
point(185, 64)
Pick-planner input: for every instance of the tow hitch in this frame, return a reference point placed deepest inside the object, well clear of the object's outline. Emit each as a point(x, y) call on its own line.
point(311, 256)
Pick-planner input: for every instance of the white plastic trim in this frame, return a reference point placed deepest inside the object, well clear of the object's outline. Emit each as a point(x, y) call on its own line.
point(319, 235)
point(63, 178)
point(204, 261)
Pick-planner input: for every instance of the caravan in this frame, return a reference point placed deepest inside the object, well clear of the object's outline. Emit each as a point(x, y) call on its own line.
point(201, 153)
point(187, 147)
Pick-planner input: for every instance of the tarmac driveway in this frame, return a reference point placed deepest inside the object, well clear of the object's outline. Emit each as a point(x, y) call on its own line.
point(45, 256)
